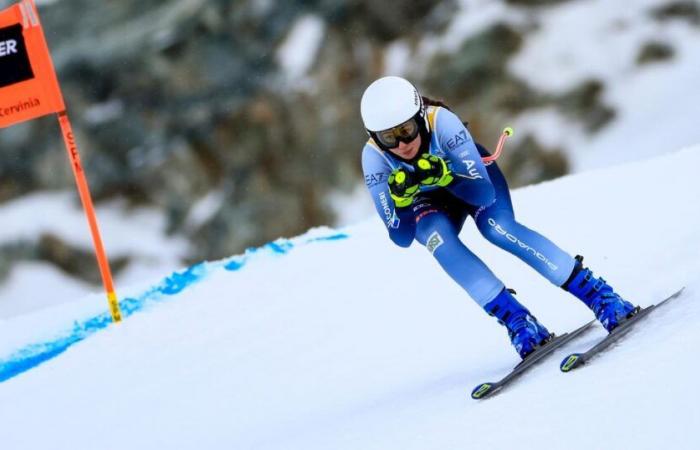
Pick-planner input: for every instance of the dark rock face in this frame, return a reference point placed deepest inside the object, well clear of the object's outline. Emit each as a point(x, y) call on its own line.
point(52, 249)
point(584, 103)
point(532, 161)
point(385, 21)
point(478, 68)
point(654, 52)
point(684, 10)
point(535, 3)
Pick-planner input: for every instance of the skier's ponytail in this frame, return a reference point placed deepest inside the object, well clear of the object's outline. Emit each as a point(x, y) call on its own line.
point(427, 101)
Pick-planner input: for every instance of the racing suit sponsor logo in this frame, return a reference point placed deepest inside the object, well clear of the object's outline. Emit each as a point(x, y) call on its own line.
point(424, 213)
point(374, 179)
point(522, 245)
point(390, 217)
point(434, 242)
point(472, 171)
point(457, 140)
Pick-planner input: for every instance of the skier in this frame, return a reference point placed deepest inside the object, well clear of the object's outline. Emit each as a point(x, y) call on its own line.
point(425, 174)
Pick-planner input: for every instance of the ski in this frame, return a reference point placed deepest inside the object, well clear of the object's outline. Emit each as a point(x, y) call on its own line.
point(488, 389)
point(576, 360)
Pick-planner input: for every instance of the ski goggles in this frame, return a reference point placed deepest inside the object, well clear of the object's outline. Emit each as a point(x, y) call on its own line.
point(405, 132)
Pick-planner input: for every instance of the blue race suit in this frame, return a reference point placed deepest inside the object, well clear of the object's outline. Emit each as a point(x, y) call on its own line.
point(437, 214)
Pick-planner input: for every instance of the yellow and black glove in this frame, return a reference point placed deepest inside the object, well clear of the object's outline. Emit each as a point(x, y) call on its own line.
point(403, 187)
point(432, 170)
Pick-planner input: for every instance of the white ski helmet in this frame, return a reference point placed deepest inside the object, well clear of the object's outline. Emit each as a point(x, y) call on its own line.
point(388, 102)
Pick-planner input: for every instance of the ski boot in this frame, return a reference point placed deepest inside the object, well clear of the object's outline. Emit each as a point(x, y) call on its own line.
point(525, 332)
point(609, 308)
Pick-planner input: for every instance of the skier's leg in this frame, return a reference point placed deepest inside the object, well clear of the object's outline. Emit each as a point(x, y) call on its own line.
point(497, 224)
point(439, 235)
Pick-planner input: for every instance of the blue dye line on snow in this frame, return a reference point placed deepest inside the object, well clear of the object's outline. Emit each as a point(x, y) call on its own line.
point(32, 355)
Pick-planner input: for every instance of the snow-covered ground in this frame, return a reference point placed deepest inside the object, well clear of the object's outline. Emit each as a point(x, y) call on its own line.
point(340, 340)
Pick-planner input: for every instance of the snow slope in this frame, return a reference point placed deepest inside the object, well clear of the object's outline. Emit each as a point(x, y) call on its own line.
point(340, 340)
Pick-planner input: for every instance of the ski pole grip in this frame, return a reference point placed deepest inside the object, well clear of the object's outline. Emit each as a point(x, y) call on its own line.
point(507, 132)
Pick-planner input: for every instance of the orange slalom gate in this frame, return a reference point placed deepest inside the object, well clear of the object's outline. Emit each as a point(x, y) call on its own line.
point(29, 89)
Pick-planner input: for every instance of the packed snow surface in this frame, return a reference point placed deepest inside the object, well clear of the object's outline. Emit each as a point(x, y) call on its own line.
point(340, 340)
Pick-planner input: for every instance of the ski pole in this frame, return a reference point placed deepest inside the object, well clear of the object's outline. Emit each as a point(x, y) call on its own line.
point(507, 132)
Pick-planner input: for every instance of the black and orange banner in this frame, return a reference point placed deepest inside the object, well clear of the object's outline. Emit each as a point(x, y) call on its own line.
point(29, 89)
point(28, 84)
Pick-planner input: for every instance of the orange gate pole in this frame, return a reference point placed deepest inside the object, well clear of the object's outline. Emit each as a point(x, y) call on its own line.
point(81, 181)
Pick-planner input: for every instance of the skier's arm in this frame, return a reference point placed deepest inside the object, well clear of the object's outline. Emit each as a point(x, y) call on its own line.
point(400, 222)
point(471, 181)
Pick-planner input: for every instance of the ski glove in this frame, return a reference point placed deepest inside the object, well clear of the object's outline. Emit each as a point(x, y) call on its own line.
point(403, 187)
point(432, 170)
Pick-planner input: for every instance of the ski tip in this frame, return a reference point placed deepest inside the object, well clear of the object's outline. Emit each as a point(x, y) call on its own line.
point(571, 362)
point(481, 391)
point(677, 293)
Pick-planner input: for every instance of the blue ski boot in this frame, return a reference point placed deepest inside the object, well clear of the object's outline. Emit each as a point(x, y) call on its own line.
point(525, 332)
point(609, 308)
